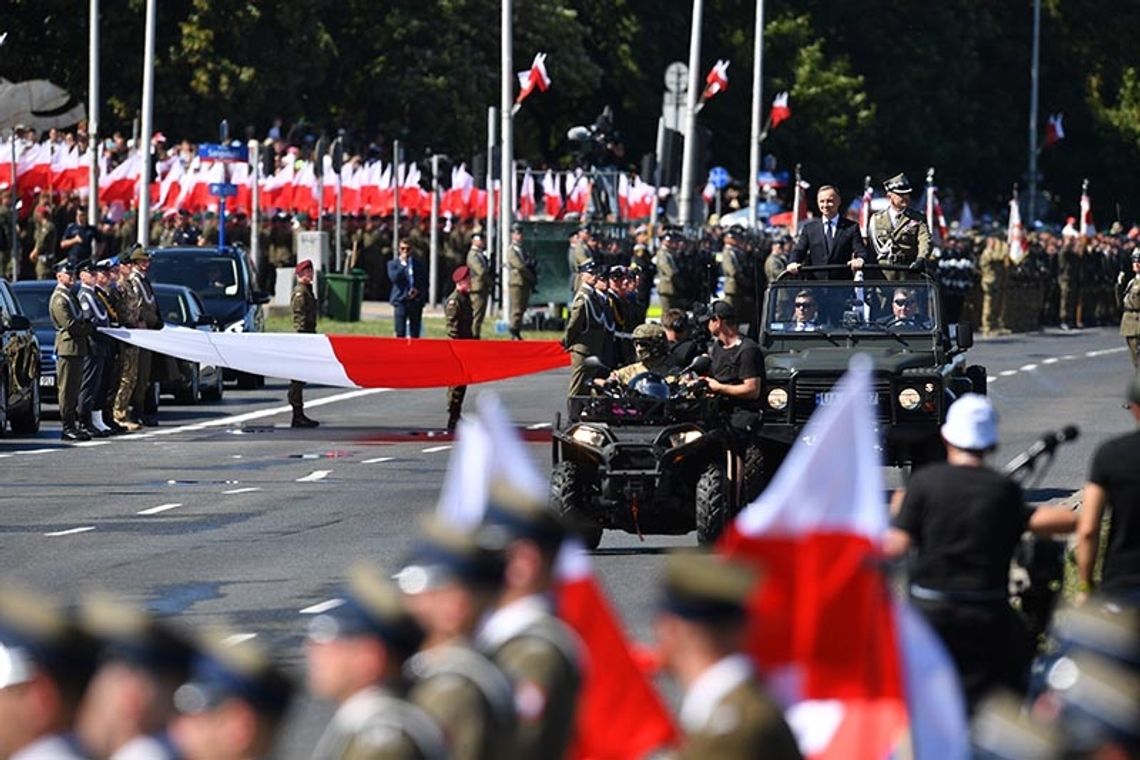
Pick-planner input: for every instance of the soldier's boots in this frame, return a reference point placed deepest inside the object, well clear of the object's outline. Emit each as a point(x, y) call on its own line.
point(516, 335)
point(301, 421)
point(74, 434)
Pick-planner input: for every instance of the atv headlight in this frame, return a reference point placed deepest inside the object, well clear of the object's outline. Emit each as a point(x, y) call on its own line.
point(909, 399)
point(778, 399)
point(589, 436)
point(683, 437)
point(236, 327)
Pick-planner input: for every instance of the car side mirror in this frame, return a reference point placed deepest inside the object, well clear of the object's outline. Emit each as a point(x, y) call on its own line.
point(18, 322)
point(965, 338)
point(259, 297)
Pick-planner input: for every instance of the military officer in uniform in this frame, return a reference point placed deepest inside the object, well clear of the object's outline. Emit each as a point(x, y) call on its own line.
point(578, 254)
point(356, 654)
point(522, 279)
point(44, 244)
point(737, 270)
point(641, 264)
point(107, 292)
point(148, 319)
point(668, 271)
point(279, 252)
point(366, 255)
point(1130, 320)
point(898, 234)
point(127, 304)
point(994, 277)
point(482, 281)
point(46, 662)
point(589, 332)
point(72, 334)
point(457, 310)
point(700, 630)
point(450, 582)
point(93, 387)
point(537, 651)
point(304, 306)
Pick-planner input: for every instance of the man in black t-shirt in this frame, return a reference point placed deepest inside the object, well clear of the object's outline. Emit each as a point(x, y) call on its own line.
point(963, 521)
point(737, 364)
point(1114, 480)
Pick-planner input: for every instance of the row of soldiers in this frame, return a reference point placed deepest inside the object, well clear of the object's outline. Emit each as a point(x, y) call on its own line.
point(459, 654)
point(102, 383)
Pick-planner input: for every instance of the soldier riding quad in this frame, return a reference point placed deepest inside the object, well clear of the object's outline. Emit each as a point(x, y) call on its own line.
point(811, 327)
point(655, 455)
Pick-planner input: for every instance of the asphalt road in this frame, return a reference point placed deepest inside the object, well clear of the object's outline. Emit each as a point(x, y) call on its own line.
point(223, 514)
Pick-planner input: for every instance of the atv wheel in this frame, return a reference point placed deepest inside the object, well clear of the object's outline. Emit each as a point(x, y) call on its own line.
point(567, 493)
point(756, 474)
point(712, 504)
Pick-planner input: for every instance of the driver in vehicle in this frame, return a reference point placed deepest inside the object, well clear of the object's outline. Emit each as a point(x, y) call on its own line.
point(904, 311)
point(651, 347)
point(805, 314)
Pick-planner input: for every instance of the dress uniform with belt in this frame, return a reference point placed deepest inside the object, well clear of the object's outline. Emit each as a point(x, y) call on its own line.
point(460, 319)
point(482, 281)
point(148, 319)
point(127, 304)
point(1130, 319)
point(96, 364)
point(72, 334)
point(522, 278)
point(304, 306)
point(668, 272)
point(899, 238)
point(589, 331)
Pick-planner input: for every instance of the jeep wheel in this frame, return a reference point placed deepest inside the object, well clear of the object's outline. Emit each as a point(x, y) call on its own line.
point(712, 504)
point(567, 492)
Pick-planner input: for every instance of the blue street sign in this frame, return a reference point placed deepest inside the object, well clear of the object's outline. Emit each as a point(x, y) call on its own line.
point(223, 189)
point(719, 177)
point(216, 152)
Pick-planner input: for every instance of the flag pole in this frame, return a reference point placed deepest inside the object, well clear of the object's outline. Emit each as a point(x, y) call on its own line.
point(489, 233)
point(1034, 85)
point(396, 199)
point(757, 107)
point(93, 114)
point(143, 143)
point(689, 161)
point(507, 159)
point(433, 255)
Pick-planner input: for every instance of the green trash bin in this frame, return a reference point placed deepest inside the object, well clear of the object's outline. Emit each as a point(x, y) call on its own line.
point(344, 294)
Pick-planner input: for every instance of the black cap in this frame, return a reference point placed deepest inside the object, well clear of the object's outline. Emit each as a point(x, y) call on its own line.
point(87, 265)
point(706, 587)
point(372, 606)
point(590, 266)
point(522, 517)
point(898, 184)
point(129, 634)
point(229, 667)
point(443, 554)
point(722, 310)
point(65, 266)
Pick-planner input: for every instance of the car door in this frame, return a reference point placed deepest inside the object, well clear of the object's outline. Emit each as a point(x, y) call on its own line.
point(21, 351)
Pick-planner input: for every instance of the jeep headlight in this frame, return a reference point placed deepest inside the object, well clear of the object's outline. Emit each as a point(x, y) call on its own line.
point(778, 399)
point(909, 399)
point(590, 436)
point(236, 327)
point(682, 437)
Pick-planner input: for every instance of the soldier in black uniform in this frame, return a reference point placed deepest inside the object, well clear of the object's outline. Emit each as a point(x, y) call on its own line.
point(304, 306)
point(460, 318)
point(93, 389)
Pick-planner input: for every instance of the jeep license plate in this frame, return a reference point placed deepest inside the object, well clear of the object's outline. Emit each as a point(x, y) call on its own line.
point(47, 381)
point(826, 398)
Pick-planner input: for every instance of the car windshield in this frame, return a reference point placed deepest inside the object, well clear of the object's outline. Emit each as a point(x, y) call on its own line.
point(34, 301)
point(863, 307)
point(210, 275)
point(172, 307)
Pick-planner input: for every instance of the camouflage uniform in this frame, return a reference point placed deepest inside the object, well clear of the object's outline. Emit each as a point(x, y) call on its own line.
point(668, 291)
point(304, 307)
point(460, 319)
point(128, 366)
point(45, 249)
point(993, 265)
point(149, 319)
point(1130, 321)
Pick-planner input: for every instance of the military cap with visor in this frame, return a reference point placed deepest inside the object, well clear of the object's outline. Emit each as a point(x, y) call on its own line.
point(706, 587)
point(37, 635)
point(64, 266)
point(898, 184)
point(371, 606)
point(228, 667)
point(443, 555)
point(520, 516)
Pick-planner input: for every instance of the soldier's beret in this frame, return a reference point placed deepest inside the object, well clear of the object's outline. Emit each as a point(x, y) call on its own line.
point(519, 515)
point(898, 184)
point(36, 634)
point(129, 634)
point(228, 667)
point(706, 587)
point(64, 266)
point(460, 274)
point(305, 265)
point(372, 606)
point(442, 554)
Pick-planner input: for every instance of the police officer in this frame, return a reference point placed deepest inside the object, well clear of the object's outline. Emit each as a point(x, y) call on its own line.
point(482, 281)
point(234, 703)
point(700, 632)
point(127, 708)
point(355, 655)
point(92, 390)
point(47, 662)
point(537, 651)
point(522, 279)
point(72, 334)
point(898, 234)
point(450, 582)
point(460, 318)
point(1130, 319)
point(304, 306)
point(149, 319)
point(589, 332)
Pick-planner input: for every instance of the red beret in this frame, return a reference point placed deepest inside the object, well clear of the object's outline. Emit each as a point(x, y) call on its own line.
point(304, 266)
point(460, 274)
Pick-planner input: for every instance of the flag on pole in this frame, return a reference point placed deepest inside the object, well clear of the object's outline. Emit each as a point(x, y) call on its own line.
point(709, 193)
point(1087, 228)
point(935, 220)
point(533, 77)
point(1054, 130)
point(816, 534)
point(799, 204)
point(551, 194)
point(526, 196)
point(865, 208)
point(717, 80)
point(1016, 233)
point(780, 110)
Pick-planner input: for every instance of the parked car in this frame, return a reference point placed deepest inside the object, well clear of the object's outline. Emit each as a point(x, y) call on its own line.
point(34, 296)
point(19, 367)
point(223, 278)
point(179, 305)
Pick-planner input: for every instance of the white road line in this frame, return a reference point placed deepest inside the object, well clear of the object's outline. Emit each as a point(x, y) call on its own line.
point(991, 378)
point(249, 489)
point(160, 508)
point(4, 456)
point(1105, 351)
point(320, 607)
point(1050, 360)
point(314, 476)
point(238, 638)
point(1007, 372)
point(1028, 367)
point(71, 531)
point(89, 444)
point(37, 451)
point(376, 460)
point(538, 426)
point(1068, 357)
point(434, 449)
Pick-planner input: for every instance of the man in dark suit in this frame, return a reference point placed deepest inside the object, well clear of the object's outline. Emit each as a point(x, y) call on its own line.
point(829, 240)
point(408, 276)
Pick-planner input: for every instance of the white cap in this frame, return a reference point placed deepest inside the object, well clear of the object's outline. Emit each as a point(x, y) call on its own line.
point(971, 423)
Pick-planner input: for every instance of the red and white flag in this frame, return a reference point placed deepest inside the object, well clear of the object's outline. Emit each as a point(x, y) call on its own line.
point(1054, 130)
point(708, 194)
point(526, 196)
point(1088, 229)
point(780, 110)
point(865, 210)
point(578, 198)
point(534, 77)
point(717, 80)
point(935, 220)
point(552, 194)
point(799, 206)
point(1016, 232)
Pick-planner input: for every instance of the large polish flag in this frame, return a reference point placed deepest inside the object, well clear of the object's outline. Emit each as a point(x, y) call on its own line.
point(1015, 234)
point(860, 677)
point(551, 194)
point(619, 713)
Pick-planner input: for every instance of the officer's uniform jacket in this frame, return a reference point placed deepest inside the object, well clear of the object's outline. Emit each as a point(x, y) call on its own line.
point(71, 331)
point(304, 306)
point(667, 271)
point(1130, 321)
point(470, 699)
point(523, 268)
point(732, 265)
point(374, 724)
point(460, 315)
point(902, 243)
point(726, 715)
point(541, 657)
point(94, 310)
point(590, 327)
point(147, 303)
point(482, 278)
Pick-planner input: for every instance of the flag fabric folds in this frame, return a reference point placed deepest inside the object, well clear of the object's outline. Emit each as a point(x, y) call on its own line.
point(780, 111)
point(1016, 232)
point(717, 80)
point(1054, 130)
point(534, 77)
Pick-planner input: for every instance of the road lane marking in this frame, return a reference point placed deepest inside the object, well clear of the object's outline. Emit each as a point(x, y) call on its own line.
point(160, 508)
point(314, 476)
point(434, 449)
point(538, 426)
point(319, 607)
point(1028, 367)
point(249, 489)
point(4, 456)
point(89, 444)
point(238, 638)
point(1050, 360)
point(37, 451)
point(1105, 351)
point(71, 531)
point(377, 460)
point(1007, 372)
point(991, 378)
point(1068, 357)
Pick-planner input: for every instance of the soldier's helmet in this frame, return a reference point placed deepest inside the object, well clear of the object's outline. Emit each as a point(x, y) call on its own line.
point(649, 385)
point(649, 340)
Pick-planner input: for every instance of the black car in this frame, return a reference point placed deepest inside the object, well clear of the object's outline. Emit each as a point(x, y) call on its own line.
point(34, 296)
point(19, 367)
point(179, 305)
point(223, 278)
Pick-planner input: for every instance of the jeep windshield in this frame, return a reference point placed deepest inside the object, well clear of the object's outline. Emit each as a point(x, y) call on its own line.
point(873, 307)
point(211, 275)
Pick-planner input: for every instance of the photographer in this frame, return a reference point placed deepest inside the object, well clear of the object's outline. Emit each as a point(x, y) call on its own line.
point(683, 345)
point(737, 367)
